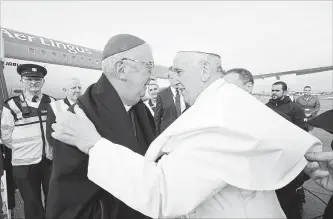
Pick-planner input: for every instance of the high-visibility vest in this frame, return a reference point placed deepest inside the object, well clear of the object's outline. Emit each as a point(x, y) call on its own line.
point(27, 138)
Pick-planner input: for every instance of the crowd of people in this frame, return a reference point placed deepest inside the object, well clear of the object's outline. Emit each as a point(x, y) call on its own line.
point(203, 147)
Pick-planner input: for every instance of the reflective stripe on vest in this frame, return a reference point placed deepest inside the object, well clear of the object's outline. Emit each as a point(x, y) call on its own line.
point(27, 140)
point(12, 105)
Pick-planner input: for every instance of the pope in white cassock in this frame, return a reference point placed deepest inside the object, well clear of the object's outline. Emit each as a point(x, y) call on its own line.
point(222, 158)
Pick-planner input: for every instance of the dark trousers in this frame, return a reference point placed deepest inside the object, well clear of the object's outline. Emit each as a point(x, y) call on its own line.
point(290, 202)
point(328, 214)
point(29, 179)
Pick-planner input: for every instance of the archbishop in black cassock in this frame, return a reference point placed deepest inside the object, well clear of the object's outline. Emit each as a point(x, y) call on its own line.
point(72, 194)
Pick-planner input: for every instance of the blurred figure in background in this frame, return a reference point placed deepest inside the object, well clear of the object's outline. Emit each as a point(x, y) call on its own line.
point(240, 77)
point(309, 103)
point(153, 90)
point(169, 106)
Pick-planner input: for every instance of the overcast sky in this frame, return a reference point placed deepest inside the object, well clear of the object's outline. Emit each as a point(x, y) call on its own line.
point(263, 37)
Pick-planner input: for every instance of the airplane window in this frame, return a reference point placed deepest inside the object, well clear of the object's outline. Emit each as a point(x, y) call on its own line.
point(64, 56)
point(43, 52)
point(54, 54)
point(31, 50)
point(82, 59)
point(89, 60)
point(97, 61)
point(74, 58)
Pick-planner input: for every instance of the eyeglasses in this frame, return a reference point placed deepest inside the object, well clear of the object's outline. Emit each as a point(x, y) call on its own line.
point(29, 80)
point(148, 65)
point(175, 70)
point(155, 89)
point(275, 90)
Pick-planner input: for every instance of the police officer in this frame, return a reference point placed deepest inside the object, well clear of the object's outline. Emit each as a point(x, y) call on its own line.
point(23, 131)
point(73, 90)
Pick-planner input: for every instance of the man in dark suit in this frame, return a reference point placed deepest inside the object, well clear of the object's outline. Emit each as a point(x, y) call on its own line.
point(169, 106)
point(114, 105)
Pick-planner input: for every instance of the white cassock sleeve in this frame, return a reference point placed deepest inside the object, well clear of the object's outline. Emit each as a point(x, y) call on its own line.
point(171, 188)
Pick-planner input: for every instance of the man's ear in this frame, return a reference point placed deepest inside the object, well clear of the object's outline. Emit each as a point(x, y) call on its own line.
point(249, 86)
point(119, 70)
point(206, 71)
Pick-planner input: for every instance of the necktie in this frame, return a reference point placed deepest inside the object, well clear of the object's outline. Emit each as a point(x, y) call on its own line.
point(34, 99)
point(177, 103)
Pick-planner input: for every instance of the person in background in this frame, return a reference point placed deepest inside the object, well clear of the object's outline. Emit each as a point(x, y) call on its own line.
point(169, 106)
point(23, 123)
point(240, 77)
point(309, 103)
point(282, 103)
point(291, 196)
point(153, 90)
point(72, 90)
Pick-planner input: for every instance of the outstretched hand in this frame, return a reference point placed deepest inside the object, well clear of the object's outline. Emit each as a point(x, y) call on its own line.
point(76, 130)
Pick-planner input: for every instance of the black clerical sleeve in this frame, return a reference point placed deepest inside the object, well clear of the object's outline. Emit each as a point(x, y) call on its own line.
point(71, 193)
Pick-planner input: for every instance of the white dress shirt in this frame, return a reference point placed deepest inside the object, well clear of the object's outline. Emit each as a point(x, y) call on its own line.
point(149, 107)
point(127, 108)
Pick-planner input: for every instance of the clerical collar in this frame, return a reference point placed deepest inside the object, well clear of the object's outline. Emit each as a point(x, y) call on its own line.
point(127, 107)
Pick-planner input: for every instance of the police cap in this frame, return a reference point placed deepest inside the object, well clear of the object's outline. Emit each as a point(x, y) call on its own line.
point(31, 70)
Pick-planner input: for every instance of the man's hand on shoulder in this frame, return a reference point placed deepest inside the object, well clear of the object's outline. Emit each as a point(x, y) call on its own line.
point(75, 129)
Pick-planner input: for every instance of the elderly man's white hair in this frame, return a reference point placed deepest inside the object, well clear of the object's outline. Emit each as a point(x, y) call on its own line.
point(69, 80)
point(204, 59)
